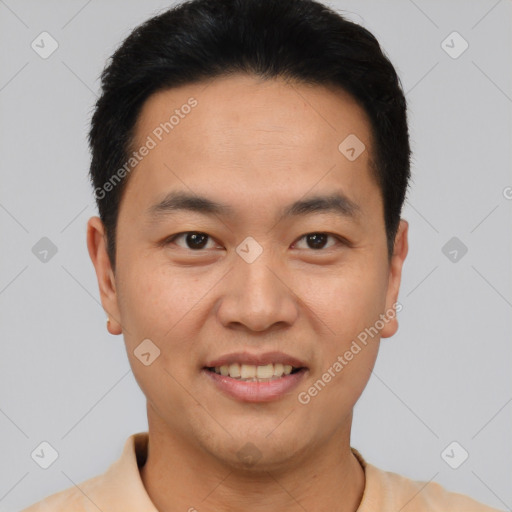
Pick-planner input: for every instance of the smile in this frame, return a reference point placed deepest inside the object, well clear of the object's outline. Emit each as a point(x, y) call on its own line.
point(253, 373)
point(250, 388)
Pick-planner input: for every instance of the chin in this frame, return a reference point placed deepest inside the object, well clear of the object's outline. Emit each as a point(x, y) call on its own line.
point(257, 452)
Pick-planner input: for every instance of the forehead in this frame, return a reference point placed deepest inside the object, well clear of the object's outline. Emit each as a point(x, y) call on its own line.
point(245, 137)
point(229, 109)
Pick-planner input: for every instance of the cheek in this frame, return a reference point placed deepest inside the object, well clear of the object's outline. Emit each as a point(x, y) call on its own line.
point(158, 307)
point(349, 306)
point(155, 299)
point(347, 300)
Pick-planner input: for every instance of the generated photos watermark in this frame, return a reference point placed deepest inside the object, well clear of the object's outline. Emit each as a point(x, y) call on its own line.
point(304, 397)
point(137, 156)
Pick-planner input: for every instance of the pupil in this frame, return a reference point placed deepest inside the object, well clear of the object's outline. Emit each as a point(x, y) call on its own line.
point(316, 240)
point(196, 240)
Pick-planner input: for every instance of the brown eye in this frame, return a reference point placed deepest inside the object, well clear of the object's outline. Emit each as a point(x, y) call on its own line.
point(317, 241)
point(193, 239)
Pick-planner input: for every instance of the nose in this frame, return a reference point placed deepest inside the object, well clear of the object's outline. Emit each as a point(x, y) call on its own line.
point(257, 296)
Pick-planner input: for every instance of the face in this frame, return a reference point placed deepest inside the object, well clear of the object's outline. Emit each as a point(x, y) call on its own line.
point(247, 237)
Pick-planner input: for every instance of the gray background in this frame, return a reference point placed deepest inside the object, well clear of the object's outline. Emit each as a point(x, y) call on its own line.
point(445, 376)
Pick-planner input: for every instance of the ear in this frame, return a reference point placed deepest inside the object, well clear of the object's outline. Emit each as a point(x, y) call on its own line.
point(97, 246)
point(400, 250)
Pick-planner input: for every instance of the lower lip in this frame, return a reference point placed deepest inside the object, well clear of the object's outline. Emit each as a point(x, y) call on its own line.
point(256, 391)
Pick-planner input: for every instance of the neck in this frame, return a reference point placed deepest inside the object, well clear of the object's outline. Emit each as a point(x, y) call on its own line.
point(180, 476)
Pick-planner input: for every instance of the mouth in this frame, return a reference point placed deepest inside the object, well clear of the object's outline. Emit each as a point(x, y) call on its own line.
point(253, 373)
point(255, 378)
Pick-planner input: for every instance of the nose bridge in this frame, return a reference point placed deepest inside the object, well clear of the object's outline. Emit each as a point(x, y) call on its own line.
point(259, 282)
point(256, 295)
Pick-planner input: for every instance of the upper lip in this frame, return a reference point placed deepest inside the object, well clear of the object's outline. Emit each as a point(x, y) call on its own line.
point(255, 359)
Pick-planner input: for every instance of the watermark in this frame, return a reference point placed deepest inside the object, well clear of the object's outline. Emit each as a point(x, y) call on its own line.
point(137, 156)
point(44, 45)
point(454, 455)
point(249, 249)
point(146, 352)
point(351, 147)
point(454, 45)
point(44, 250)
point(454, 249)
point(507, 192)
point(304, 397)
point(45, 455)
point(249, 454)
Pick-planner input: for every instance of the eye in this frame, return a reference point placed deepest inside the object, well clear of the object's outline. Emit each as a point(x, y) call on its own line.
point(318, 241)
point(194, 240)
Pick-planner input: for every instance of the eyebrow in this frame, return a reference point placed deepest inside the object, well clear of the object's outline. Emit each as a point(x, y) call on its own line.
point(337, 203)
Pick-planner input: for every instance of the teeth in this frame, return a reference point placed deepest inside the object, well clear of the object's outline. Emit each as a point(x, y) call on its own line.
point(265, 372)
point(248, 371)
point(278, 369)
point(252, 373)
point(234, 370)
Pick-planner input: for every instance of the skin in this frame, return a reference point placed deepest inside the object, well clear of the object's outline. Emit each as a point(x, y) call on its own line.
point(257, 146)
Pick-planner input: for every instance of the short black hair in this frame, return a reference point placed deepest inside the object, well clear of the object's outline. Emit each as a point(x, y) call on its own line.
point(299, 40)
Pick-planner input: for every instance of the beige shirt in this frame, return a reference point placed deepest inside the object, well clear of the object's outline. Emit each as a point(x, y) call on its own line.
point(120, 489)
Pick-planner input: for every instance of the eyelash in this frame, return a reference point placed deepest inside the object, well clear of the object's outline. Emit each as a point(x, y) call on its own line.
point(340, 239)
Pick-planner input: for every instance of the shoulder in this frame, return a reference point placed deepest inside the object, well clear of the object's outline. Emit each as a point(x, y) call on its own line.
point(389, 491)
point(118, 489)
point(72, 499)
point(424, 495)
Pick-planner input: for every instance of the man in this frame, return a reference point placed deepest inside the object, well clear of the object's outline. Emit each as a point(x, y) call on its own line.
point(250, 160)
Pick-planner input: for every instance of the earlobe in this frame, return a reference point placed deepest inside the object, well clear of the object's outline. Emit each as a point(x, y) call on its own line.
point(400, 251)
point(97, 247)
